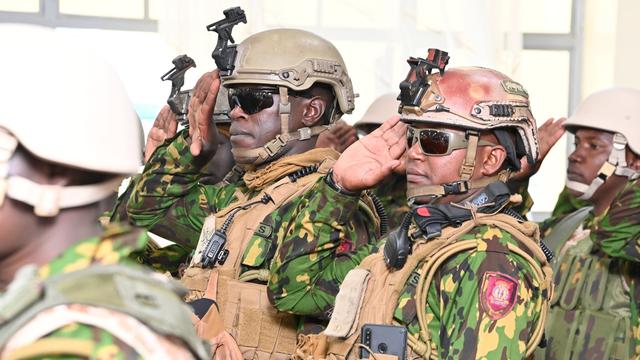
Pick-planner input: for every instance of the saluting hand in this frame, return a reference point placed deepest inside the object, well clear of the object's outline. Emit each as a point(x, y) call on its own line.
point(369, 160)
point(548, 135)
point(201, 105)
point(164, 127)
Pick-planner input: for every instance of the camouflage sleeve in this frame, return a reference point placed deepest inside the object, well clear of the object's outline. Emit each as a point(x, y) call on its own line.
point(319, 246)
point(618, 232)
point(484, 303)
point(119, 212)
point(168, 199)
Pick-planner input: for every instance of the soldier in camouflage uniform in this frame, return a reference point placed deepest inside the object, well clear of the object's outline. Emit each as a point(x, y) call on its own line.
point(288, 236)
point(594, 230)
point(392, 191)
point(464, 274)
point(170, 258)
point(66, 290)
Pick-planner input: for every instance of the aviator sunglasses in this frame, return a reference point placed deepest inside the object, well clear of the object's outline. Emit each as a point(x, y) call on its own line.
point(439, 142)
point(252, 100)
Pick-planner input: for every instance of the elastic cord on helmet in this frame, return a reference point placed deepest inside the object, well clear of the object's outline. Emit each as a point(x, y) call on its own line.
point(615, 164)
point(47, 200)
point(273, 148)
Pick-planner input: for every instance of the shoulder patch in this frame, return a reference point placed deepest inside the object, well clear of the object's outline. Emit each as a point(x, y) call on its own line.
point(498, 294)
point(514, 88)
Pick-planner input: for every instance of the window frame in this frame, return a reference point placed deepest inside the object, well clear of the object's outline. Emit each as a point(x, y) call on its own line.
point(50, 16)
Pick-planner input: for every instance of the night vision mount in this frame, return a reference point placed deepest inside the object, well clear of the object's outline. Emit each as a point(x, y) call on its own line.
point(179, 100)
point(225, 54)
point(413, 88)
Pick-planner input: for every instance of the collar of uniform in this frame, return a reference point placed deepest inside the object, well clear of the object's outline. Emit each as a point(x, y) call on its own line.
point(257, 179)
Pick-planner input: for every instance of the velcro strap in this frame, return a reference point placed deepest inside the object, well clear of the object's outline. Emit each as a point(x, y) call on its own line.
point(466, 170)
point(47, 200)
point(284, 109)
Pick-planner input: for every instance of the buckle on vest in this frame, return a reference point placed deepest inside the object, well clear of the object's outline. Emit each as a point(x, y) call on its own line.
point(273, 146)
point(456, 187)
point(304, 133)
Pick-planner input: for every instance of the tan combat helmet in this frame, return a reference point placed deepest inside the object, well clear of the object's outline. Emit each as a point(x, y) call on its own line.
point(615, 110)
point(475, 99)
point(381, 109)
point(81, 118)
point(295, 60)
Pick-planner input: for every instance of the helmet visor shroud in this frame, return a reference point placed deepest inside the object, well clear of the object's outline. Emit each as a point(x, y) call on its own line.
point(286, 62)
point(474, 100)
point(615, 110)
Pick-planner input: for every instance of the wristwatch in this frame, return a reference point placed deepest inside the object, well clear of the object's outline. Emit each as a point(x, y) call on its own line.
point(332, 184)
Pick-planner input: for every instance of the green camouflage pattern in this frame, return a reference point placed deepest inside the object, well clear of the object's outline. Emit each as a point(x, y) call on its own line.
point(392, 192)
point(459, 326)
point(307, 245)
point(594, 313)
point(113, 247)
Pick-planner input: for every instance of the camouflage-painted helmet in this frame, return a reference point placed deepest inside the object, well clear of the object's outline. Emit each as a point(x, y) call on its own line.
point(295, 59)
point(476, 98)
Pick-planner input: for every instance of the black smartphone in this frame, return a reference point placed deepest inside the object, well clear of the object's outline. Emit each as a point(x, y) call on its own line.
point(383, 339)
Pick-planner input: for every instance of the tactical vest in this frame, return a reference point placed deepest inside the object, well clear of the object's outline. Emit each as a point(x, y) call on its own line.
point(369, 294)
point(138, 307)
point(261, 332)
point(591, 309)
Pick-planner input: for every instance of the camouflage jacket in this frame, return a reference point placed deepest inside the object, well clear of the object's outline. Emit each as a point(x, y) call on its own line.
point(392, 192)
point(113, 247)
point(308, 245)
point(466, 319)
point(606, 282)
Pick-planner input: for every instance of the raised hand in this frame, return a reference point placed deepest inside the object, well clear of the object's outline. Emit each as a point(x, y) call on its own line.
point(548, 135)
point(201, 105)
point(164, 127)
point(339, 137)
point(369, 160)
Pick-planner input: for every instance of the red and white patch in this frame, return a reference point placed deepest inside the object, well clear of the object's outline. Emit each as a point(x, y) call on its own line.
point(498, 294)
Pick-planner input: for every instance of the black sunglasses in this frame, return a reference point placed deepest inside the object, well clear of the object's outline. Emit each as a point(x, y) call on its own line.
point(252, 100)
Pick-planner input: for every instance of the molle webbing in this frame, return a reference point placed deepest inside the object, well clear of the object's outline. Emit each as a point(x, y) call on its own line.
point(384, 287)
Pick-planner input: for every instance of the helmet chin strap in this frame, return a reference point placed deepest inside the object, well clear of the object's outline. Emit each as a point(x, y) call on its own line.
point(47, 200)
point(615, 164)
point(272, 149)
point(463, 185)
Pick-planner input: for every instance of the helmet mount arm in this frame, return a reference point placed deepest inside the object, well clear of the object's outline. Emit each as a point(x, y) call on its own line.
point(225, 54)
point(413, 88)
point(179, 100)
